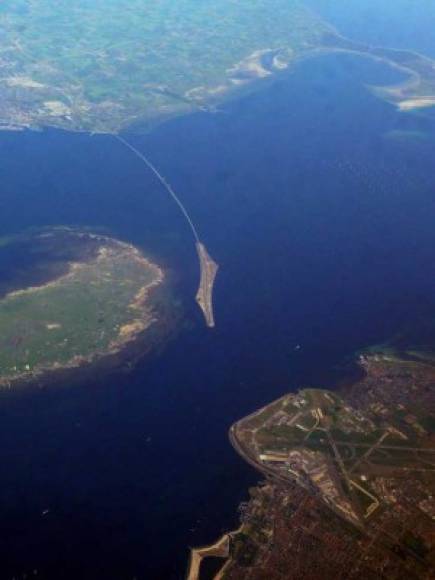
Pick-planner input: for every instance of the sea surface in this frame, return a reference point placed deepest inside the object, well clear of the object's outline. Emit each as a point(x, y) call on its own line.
point(318, 202)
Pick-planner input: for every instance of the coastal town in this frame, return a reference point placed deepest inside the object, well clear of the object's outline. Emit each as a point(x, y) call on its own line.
point(350, 473)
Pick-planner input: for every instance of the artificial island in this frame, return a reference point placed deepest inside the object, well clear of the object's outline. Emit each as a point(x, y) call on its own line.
point(208, 271)
point(72, 298)
point(207, 266)
point(349, 488)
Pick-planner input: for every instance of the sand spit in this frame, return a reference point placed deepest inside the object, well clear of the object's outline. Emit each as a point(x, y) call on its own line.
point(417, 103)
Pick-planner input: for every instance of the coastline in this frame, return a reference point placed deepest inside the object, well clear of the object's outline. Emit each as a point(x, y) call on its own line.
point(264, 64)
point(219, 549)
point(147, 306)
point(372, 394)
point(149, 341)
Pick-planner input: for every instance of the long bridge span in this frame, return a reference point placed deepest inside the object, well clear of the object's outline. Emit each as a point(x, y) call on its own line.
point(208, 268)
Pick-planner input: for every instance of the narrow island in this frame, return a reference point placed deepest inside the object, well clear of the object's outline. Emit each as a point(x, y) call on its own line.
point(208, 271)
point(71, 298)
point(349, 488)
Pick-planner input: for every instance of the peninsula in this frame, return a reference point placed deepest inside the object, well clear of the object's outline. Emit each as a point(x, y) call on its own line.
point(350, 478)
point(82, 297)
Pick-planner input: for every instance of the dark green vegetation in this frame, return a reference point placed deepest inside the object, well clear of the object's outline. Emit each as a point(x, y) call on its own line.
point(90, 298)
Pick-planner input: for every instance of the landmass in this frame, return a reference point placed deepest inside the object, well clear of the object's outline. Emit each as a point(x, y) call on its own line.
point(350, 478)
point(104, 67)
point(72, 297)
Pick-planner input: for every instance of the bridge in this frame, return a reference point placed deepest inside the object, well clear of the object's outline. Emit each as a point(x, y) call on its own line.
point(208, 267)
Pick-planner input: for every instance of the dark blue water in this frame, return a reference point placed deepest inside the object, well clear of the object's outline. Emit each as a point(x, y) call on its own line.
point(322, 223)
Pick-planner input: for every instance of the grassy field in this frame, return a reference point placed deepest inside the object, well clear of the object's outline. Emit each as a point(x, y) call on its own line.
point(95, 308)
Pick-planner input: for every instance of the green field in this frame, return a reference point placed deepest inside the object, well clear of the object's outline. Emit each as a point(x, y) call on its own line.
point(95, 308)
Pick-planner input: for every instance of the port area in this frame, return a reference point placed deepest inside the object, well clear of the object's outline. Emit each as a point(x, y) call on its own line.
point(204, 296)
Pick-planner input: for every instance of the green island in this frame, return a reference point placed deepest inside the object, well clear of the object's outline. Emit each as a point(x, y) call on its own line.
point(72, 297)
point(350, 479)
point(108, 65)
